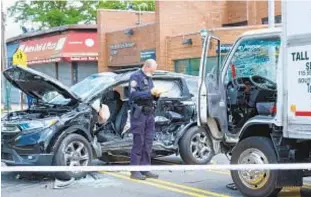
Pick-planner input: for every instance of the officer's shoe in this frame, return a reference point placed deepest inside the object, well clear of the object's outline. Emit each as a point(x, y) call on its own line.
point(150, 175)
point(138, 176)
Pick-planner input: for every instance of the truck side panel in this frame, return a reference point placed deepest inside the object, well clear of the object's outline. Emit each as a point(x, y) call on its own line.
point(296, 67)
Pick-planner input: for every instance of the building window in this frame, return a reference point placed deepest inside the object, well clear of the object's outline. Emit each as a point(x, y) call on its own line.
point(192, 66)
point(242, 23)
point(277, 19)
point(188, 66)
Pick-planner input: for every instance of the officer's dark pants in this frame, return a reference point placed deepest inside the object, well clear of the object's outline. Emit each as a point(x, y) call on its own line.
point(142, 128)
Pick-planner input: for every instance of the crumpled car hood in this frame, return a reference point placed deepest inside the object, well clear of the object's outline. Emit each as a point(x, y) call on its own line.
point(36, 84)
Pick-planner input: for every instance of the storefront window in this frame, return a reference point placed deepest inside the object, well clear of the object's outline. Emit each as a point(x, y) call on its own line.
point(188, 66)
point(192, 66)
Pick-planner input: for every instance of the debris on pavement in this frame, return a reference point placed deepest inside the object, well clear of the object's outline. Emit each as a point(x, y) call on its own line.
point(58, 184)
point(231, 186)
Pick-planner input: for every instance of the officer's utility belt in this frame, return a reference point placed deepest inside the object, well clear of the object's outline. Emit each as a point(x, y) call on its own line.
point(146, 109)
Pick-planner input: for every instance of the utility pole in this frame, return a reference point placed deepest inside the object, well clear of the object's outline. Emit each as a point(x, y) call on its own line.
point(3, 52)
point(271, 14)
point(4, 57)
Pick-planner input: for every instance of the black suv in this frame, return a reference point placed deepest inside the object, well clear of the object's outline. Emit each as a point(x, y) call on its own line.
point(61, 128)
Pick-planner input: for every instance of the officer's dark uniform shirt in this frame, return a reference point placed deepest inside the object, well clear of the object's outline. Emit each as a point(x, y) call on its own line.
point(140, 88)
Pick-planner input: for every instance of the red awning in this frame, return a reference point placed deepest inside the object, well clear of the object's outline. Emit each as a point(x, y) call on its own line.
point(71, 46)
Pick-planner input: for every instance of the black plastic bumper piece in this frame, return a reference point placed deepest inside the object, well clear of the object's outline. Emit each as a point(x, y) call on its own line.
point(11, 157)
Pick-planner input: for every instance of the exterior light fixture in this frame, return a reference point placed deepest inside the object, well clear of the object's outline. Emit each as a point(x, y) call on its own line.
point(187, 41)
point(203, 33)
point(129, 32)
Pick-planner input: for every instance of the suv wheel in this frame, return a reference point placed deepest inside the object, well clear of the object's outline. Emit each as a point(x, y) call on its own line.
point(196, 147)
point(255, 183)
point(74, 150)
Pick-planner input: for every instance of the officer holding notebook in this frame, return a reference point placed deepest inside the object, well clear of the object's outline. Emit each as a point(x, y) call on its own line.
point(142, 96)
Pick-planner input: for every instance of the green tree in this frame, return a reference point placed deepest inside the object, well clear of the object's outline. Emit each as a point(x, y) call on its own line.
point(42, 14)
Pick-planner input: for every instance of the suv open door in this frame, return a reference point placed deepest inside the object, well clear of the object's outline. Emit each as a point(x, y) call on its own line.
point(297, 68)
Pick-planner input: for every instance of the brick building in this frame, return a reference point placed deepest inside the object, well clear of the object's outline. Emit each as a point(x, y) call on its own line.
point(171, 33)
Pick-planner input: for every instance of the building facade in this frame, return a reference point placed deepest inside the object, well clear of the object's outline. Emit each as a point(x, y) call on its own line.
point(67, 53)
point(125, 38)
point(171, 34)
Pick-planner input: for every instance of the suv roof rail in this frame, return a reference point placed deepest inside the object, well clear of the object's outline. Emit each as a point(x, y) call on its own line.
point(124, 70)
point(161, 72)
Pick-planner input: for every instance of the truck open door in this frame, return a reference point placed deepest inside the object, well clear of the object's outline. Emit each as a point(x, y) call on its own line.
point(296, 46)
point(212, 98)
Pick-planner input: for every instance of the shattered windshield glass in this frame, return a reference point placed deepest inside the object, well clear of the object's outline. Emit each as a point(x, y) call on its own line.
point(91, 84)
point(256, 57)
point(85, 88)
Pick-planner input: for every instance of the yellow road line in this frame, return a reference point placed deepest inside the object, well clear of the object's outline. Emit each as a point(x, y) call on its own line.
point(154, 184)
point(290, 192)
point(225, 172)
point(184, 187)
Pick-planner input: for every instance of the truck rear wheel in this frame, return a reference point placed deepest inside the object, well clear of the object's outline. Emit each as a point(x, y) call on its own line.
point(255, 183)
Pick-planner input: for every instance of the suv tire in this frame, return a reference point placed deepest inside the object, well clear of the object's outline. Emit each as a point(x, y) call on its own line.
point(193, 141)
point(72, 145)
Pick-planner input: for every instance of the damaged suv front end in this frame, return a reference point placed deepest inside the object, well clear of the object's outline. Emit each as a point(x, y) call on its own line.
point(25, 141)
point(31, 136)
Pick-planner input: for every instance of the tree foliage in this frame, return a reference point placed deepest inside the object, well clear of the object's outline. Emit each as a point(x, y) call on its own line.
point(42, 14)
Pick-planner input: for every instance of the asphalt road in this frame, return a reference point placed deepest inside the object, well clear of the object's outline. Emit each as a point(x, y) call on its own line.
point(118, 184)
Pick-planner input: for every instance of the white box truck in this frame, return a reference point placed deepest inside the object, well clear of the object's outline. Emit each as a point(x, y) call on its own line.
point(256, 105)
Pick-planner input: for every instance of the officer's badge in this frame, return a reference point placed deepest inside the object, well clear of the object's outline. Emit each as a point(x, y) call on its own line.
point(146, 81)
point(133, 83)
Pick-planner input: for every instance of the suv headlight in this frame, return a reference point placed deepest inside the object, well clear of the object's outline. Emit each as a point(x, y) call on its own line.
point(37, 124)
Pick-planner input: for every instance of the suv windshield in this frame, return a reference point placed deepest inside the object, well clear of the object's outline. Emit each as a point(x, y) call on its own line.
point(83, 89)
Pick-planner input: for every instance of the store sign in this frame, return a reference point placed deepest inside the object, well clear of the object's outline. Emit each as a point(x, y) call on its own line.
point(87, 58)
point(69, 46)
point(122, 45)
point(44, 61)
point(147, 54)
point(43, 45)
point(113, 52)
point(115, 47)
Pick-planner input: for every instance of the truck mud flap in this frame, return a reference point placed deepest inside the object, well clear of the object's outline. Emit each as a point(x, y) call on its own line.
point(290, 178)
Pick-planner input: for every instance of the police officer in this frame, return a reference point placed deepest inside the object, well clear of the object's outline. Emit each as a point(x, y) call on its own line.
point(142, 95)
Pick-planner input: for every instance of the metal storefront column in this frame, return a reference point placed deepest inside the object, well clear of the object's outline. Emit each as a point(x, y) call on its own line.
point(74, 73)
point(85, 69)
point(64, 73)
